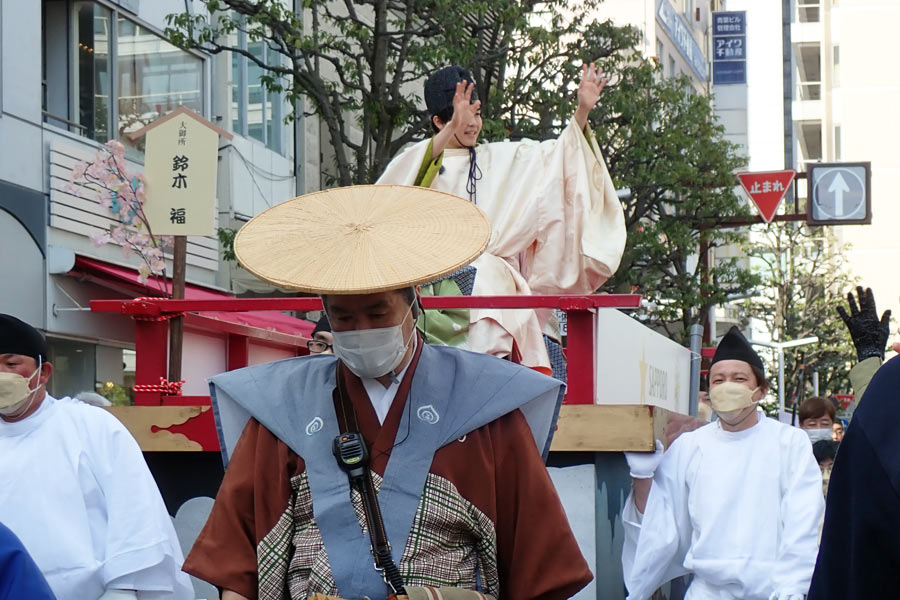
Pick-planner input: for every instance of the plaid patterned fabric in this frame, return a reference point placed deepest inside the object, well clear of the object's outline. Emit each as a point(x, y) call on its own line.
point(464, 278)
point(427, 593)
point(451, 544)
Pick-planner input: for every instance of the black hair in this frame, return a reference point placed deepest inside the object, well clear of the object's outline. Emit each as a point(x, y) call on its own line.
point(761, 380)
point(445, 116)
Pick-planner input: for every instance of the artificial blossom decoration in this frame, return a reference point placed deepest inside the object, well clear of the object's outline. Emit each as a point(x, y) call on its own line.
point(108, 180)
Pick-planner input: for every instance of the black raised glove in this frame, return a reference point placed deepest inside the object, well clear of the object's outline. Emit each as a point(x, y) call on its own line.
point(869, 334)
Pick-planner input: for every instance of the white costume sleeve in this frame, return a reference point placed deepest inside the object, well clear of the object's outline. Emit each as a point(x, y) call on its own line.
point(582, 223)
point(655, 545)
point(142, 552)
point(802, 506)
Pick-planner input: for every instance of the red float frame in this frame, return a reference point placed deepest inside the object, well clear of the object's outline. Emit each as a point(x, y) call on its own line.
point(151, 338)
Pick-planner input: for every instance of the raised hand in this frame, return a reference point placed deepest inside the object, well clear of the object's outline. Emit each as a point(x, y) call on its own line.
point(868, 332)
point(464, 110)
point(592, 83)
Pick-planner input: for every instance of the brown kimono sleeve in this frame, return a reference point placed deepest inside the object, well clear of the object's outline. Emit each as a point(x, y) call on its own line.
point(255, 492)
point(538, 556)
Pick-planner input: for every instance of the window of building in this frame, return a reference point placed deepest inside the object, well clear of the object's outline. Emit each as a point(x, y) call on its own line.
point(837, 142)
point(659, 52)
point(836, 66)
point(810, 139)
point(154, 77)
point(809, 11)
point(82, 41)
point(74, 367)
point(689, 10)
point(80, 366)
point(671, 66)
point(809, 68)
point(255, 112)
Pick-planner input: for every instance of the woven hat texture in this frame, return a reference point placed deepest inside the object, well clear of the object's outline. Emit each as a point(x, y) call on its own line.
point(362, 239)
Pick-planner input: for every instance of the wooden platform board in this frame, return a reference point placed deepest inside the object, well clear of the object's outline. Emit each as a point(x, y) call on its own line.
point(602, 428)
point(581, 428)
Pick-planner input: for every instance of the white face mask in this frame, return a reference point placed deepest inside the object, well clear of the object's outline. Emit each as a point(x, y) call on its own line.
point(729, 399)
point(817, 435)
point(16, 395)
point(372, 352)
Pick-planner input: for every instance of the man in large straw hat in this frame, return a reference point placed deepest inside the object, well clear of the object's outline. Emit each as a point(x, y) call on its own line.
point(452, 436)
point(558, 225)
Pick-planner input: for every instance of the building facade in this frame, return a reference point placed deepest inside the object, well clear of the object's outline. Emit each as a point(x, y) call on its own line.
point(675, 32)
point(840, 100)
point(74, 75)
point(844, 107)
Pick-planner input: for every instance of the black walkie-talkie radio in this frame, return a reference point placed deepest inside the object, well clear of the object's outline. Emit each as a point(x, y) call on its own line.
point(352, 454)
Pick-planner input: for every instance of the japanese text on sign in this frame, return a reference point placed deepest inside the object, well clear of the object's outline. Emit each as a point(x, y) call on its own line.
point(179, 163)
point(729, 48)
point(766, 187)
point(180, 167)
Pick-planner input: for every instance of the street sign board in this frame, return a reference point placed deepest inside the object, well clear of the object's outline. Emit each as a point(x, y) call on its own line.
point(729, 52)
point(180, 168)
point(839, 193)
point(767, 189)
point(180, 164)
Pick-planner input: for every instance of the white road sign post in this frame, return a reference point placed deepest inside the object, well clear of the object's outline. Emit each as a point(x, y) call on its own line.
point(839, 194)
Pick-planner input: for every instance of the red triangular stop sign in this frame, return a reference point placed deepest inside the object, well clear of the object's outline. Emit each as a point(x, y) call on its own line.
point(767, 189)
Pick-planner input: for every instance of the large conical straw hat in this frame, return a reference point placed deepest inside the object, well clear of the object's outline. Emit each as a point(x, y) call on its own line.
point(362, 239)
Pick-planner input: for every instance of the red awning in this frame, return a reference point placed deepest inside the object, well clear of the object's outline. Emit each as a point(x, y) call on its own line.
point(98, 271)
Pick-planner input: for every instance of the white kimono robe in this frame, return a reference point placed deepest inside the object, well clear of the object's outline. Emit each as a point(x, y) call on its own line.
point(557, 228)
point(740, 511)
point(76, 490)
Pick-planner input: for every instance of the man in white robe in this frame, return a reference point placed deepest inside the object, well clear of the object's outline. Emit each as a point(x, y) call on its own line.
point(737, 502)
point(557, 224)
point(75, 489)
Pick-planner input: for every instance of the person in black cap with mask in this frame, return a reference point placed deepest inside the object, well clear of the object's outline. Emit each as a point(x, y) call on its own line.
point(322, 339)
point(75, 487)
point(737, 502)
point(557, 223)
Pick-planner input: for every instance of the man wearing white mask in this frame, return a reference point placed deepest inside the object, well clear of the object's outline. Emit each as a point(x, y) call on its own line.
point(452, 438)
point(75, 489)
point(737, 502)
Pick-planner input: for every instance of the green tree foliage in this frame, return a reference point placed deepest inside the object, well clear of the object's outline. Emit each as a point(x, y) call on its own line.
point(805, 279)
point(359, 65)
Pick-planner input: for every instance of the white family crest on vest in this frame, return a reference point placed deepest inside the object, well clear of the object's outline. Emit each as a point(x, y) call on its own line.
point(428, 414)
point(315, 426)
point(463, 391)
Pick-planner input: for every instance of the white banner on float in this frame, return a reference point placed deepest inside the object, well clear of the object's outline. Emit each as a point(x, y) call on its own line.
point(636, 365)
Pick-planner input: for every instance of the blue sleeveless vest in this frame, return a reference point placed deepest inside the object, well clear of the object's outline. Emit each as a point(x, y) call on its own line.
point(452, 393)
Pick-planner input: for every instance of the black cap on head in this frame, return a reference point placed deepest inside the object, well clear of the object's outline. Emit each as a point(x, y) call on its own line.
point(441, 87)
point(18, 337)
point(322, 325)
point(734, 346)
